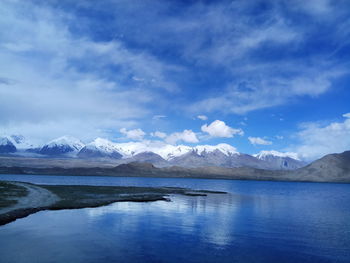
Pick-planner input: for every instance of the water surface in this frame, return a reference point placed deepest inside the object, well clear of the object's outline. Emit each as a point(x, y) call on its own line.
point(256, 222)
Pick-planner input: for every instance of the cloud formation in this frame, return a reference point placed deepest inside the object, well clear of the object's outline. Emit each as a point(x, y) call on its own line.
point(259, 141)
point(185, 136)
point(220, 129)
point(318, 139)
point(63, 78)
point(65, 71)
point(202, 117)
point(159, 134)
point(135, 134)
point(268, 88)
point(158, 117)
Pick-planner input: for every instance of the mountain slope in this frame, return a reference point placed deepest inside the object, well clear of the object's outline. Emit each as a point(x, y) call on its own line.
point(148, 157)
point(6, 146)
point(332, 167)
point(279, 161)
point(195, 159)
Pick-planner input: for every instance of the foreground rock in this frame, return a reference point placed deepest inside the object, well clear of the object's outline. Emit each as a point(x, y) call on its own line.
point(19, 199)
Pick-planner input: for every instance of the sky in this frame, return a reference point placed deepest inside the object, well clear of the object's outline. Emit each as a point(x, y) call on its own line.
point(258, 75)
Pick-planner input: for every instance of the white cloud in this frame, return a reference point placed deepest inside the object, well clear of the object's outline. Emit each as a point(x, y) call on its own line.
point(259, 141)
point(185, 136)
point(158, 117)
point(220, 129)
point(159, 134)
point(41, 71)
point(202, 117)
point(346, 115)
point(238, 44)
point(89, 87)
point(317, 140)
point(253, 92)
point(136, 134)
point(317, 8)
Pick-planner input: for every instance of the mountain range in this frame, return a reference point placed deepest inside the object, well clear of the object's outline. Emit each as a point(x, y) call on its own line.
point(157, 153)
point(331, 168)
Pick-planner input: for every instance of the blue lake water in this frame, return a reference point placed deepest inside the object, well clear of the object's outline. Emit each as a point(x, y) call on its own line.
point(256, 222)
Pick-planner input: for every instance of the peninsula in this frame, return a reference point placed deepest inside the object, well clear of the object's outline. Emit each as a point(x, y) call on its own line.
point(18, 199)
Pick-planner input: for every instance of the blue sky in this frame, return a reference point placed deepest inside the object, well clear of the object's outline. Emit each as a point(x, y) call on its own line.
point(264, 75)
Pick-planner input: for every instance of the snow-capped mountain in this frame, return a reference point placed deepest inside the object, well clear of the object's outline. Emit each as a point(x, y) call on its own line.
point(263, 155)
point(162, 154)
point(155, 152)
point(224, 148)
point(14, 143)
point(20, 142)
point(205, 155)
point(168, 151)
point(99, 148)
point(65, 145)
point(216, 157)
point(279, 160)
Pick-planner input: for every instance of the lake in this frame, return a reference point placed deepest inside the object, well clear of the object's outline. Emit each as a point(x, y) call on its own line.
point(256, 222)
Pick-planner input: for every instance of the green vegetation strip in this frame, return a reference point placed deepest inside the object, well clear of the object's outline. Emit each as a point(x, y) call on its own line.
point(10, 193)
point(79, 196)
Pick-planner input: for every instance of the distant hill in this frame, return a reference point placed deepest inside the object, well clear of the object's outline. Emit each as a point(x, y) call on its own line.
point(332, 167)
point(279, 161)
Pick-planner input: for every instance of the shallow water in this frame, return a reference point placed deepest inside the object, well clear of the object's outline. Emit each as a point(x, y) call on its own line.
point(256, 222)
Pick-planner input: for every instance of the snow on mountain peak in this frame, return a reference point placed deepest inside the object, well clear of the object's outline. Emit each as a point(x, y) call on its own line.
point(18, 141)
point(166, 151)
point(66, 141)
point(222, 147)
point(103, 145)
point(18, 138)
point(5, 141)
point(264, 154)
point(169, 151)
point(129, 149)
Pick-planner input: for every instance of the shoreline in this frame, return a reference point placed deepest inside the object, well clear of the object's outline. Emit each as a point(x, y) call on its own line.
point(59, 197)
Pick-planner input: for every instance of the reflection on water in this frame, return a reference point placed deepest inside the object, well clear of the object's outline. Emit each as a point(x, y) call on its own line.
point(255, 222)
point(184, 212)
